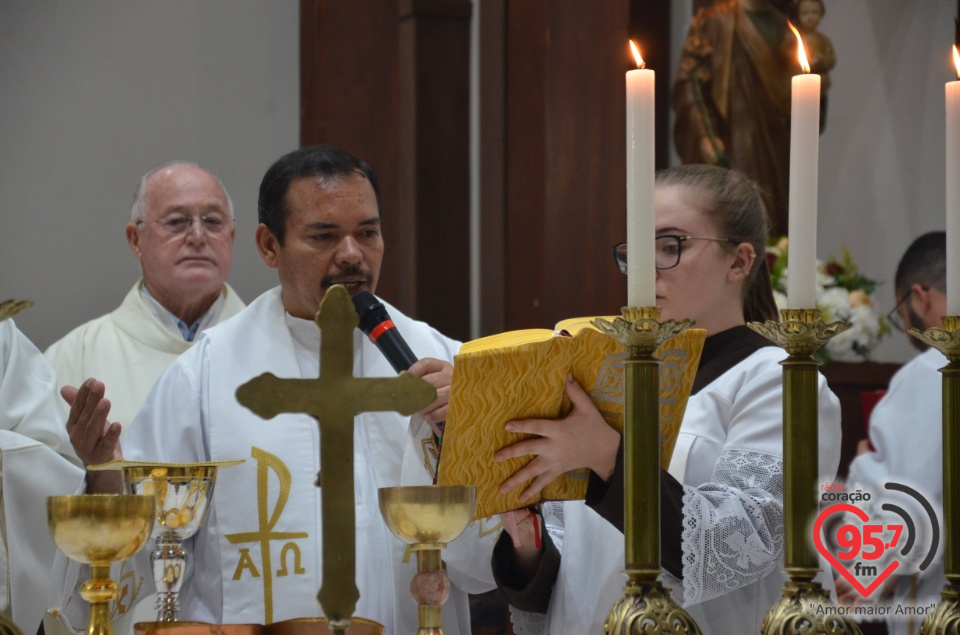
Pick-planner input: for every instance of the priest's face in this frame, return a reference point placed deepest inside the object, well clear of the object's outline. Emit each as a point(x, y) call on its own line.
point(703, 286)
point(185, 241)
point(331, 236)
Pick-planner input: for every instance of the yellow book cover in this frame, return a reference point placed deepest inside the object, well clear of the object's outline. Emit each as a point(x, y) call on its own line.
point(521, 374)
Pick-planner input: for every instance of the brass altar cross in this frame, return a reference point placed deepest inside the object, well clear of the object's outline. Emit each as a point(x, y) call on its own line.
point(334, 399)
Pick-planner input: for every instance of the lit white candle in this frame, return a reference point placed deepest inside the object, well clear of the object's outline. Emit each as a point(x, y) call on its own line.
point(953, 192)
point(804, 165)
point(641, 225)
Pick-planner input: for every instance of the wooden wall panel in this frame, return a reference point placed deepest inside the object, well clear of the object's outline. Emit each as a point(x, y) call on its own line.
point(564, 148)
point(435, 161)
point(553, 152)
point(526, 170)
point(492, 168)
point(388, 81)
point(349, 97)
point(586, 155)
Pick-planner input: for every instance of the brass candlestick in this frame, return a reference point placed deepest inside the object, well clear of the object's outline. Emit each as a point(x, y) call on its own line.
point(804, 603)
point(8, 627)
point(646, 606)
point(945, 618)
point(99, 529)
point(428, 517)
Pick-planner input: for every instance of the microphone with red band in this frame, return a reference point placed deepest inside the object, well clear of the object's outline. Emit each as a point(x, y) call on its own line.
point(377, 325)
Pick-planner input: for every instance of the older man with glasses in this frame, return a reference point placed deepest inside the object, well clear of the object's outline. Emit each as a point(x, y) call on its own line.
point(905, 426)
point(181, 230)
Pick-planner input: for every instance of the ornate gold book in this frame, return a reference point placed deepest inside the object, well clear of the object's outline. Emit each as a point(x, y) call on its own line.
point(521, 374)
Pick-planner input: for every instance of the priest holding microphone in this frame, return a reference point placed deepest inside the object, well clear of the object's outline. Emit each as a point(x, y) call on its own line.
point(319, 212)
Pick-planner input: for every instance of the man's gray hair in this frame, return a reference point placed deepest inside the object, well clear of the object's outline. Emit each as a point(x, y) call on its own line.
point(138, 212)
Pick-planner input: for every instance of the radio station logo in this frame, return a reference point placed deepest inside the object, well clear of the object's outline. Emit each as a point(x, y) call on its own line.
point(867, 540)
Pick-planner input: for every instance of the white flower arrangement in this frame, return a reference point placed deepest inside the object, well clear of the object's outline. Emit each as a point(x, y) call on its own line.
point(843, 293)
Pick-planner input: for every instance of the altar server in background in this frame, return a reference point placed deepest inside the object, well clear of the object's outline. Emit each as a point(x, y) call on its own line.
point(906, 426)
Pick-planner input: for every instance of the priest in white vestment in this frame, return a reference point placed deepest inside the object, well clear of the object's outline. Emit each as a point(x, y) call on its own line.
point(906, 430)
point(181, 230)
point(36, 461)
point(257, 559)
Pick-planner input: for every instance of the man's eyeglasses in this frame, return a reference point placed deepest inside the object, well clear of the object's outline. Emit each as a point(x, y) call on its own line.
point(894, 317)
point(668, 248)
point(179, 224)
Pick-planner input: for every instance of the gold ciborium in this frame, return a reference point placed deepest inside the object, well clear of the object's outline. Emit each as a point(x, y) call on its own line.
point(183, 492)
point(427, 518)
point(99, 529)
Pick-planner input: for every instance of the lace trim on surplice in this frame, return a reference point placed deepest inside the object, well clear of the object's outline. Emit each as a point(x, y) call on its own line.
point(732, 526)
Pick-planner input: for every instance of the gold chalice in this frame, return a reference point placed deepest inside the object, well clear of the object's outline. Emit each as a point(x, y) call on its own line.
point(428, 517)
point(99, 529)
point(183, 492)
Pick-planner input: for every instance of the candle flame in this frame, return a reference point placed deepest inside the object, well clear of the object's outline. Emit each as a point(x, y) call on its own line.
point(956, 59)
point(801, 52)
point(636, 55)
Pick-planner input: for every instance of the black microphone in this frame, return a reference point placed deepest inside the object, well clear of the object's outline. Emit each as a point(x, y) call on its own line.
point(377, 325)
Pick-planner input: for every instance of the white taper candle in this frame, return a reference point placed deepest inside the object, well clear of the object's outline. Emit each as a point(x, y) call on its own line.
point(804, 166)
point(641, 227)
point(953, 197)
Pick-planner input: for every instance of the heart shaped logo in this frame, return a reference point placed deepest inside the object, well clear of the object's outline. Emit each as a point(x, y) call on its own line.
point(877, 545)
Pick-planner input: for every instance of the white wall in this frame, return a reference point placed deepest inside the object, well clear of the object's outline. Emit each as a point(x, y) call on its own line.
point(92, 94)
point(882, 173)
point(882, 153)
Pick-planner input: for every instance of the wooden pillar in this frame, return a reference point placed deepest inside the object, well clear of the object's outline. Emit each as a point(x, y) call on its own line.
point(552, 159)
point(388, 80)
point(434, 165)
point(553, 173)
point(349, 97)
point(492, 168)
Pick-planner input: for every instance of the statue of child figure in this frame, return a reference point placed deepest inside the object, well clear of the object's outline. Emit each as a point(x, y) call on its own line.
point(806, 15)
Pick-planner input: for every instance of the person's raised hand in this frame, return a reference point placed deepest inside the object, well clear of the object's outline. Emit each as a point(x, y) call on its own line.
point(94, 439)
point(581, 439)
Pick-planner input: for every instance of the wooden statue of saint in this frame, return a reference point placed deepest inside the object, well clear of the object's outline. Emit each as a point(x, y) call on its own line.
point(806, 16)
point(732, 95)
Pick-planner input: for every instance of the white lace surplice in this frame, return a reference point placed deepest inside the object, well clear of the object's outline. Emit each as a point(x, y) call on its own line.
point(729, 460)
point(732, 526)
